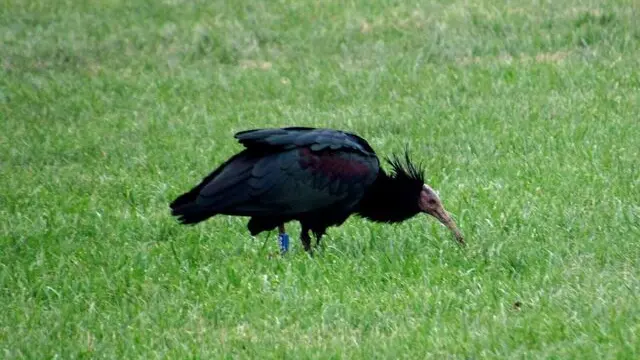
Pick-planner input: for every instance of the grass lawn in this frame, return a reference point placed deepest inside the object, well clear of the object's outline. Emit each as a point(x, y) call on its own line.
point(524, 113)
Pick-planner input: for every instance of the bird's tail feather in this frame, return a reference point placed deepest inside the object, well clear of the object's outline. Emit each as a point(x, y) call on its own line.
point(192, 208)
point(191, 214)
point(185, 208)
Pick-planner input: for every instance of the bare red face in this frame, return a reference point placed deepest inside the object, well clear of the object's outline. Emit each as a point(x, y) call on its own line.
point(430, 203)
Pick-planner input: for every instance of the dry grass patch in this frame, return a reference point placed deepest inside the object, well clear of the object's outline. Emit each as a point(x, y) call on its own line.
point(256, 64)
point(543, 57)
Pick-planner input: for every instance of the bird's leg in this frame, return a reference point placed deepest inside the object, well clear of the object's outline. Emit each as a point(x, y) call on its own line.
point(283, 239)
point(318, 235)
point(306, 239)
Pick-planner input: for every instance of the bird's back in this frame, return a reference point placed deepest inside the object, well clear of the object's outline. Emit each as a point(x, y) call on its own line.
point(296, 137)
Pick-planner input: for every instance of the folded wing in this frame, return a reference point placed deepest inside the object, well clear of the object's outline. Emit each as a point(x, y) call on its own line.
point(286, 172)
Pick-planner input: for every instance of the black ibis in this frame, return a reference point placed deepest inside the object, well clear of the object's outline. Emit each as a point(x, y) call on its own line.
point(319, 177)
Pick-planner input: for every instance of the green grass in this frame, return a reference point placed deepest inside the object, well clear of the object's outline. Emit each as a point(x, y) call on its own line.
point(525, 115)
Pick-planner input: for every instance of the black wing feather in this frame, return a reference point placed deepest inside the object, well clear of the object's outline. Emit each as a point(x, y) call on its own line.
point(292, 137)
point(284, 172)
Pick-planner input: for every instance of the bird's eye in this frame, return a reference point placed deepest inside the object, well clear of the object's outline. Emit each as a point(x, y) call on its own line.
point(432, 201)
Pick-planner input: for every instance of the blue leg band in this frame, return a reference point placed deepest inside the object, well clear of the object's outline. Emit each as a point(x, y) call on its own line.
point(284, 242)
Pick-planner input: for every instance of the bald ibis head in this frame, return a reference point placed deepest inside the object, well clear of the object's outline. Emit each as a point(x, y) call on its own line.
point(430, 203)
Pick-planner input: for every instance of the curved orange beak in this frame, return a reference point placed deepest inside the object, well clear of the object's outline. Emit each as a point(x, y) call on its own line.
point(441, 214)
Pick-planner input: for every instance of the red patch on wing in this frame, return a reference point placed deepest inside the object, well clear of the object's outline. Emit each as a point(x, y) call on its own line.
point(331, 164)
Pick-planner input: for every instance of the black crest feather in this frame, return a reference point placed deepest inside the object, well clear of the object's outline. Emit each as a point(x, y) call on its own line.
point(394, 196)
point(406, 169)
